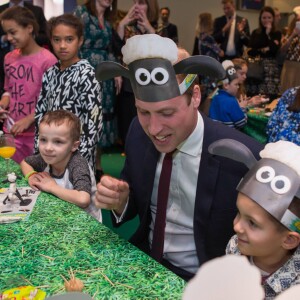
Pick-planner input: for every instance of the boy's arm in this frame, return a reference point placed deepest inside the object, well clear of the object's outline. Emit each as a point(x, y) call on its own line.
point(47, 184)
point(25, 167)
point(29, 173)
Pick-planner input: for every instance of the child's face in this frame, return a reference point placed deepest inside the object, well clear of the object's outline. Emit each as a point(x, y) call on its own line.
point(66, 44)
point(56, 144)
point(242, 73)
point(258, 235)
point(16, 34)
point(232, 87)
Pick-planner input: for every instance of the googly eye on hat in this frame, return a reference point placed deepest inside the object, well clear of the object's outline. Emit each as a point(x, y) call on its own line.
point(229, 70)
point(273, 182)
point(152, 67)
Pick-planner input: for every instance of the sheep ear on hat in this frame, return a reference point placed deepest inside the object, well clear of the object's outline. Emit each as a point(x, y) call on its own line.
point(234, 150)
point(200, 64)
point(109, 69)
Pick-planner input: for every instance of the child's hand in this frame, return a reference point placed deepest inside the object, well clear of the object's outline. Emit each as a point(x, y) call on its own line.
point(20, 126)
point(32, 180)
point(44, 182)
point(3, 114)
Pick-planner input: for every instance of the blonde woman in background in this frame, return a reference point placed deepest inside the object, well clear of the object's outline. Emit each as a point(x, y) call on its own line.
point(205, 44)
point(291, 49)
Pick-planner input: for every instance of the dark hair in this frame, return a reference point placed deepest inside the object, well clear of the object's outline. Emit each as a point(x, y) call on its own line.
point(295, 106)
point(109, 15)
point(270, 10)
point(152, 11)
point(228, 1)
point(166, 8)
point(22, 16)
point(67, 20)
point(60, 116)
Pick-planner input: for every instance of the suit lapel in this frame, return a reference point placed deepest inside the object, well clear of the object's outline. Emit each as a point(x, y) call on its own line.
point(149, 165)
point(207, 180)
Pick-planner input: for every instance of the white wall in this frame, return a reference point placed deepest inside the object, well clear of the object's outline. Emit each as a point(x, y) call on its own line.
point(184, 14)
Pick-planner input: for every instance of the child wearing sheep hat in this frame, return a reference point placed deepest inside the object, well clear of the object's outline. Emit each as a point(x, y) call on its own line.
point(224, 106)
point(268, 222)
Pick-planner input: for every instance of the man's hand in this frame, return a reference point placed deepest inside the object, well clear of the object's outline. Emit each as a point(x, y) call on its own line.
point(112, 194)
point(227, 25)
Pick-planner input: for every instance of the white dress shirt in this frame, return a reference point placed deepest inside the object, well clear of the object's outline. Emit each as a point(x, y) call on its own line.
point(179, 244)
point(230, 49)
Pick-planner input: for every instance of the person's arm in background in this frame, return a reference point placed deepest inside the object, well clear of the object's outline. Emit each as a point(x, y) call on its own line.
point(286, 42)
point(220, 30)
point(90, 100)
point(238, 115)
point(130, 16)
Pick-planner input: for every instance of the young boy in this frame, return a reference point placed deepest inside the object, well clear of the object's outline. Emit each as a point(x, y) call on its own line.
point(59, 168)
point(268, 222)
point(224, 106)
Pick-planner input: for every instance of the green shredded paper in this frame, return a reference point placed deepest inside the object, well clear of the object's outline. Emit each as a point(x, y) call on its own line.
point(60, 239)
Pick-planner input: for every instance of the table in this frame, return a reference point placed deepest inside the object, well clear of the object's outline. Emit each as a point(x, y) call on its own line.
point(256, 126)
point(59, 237)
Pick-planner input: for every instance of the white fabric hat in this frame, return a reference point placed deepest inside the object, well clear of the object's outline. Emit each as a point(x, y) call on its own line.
point(296, 10)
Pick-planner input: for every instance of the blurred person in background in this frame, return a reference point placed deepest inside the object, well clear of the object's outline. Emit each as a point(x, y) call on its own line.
point(141, 18)
point(291, 50)
point(265, 42)
point(231, 31)
point(41, 38)
point(284, 123)
point(165, 28)
point(205, 44)
point(101, 43)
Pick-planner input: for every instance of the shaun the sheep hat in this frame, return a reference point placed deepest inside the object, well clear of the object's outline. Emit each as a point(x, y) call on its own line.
point(273, 182)
point(152, 68)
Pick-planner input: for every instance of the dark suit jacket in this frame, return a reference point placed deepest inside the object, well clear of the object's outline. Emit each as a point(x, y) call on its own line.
point(215, 204)
point(170, 31)
point(41, 39)
point(222, 39)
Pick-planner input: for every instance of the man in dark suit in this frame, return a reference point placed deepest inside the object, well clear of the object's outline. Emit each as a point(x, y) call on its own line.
point(201, 196)
point(231, 31)
point(165, 28)
point(41, 39)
